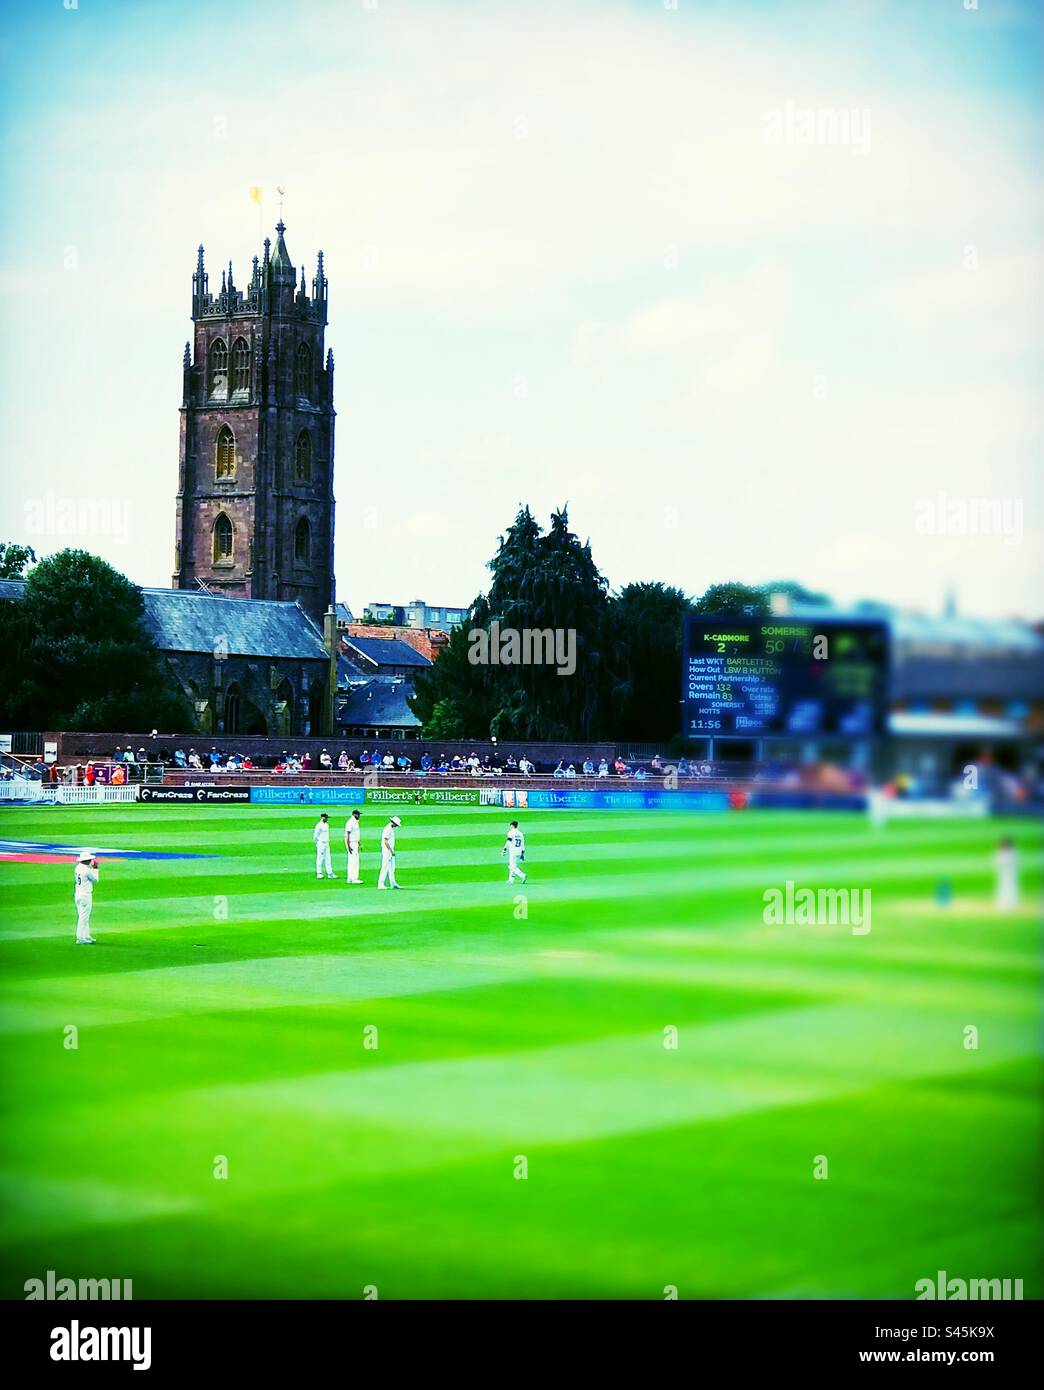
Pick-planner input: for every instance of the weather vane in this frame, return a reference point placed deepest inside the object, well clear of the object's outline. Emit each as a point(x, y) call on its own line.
point(280, 190)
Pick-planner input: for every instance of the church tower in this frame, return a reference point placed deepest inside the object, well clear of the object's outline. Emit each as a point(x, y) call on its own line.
point(255, 512)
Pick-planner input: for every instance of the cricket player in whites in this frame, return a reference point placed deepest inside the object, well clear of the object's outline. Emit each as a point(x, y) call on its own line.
point(85, 876)
point(352, 835)
point(321, 837)
point(515, 849)
point(388, 854)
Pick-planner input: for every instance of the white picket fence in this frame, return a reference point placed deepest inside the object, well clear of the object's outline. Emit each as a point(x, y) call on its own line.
point(21, 789)
point(28, 789)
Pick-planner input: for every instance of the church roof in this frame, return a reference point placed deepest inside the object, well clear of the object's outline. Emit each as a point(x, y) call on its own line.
point(183, 620)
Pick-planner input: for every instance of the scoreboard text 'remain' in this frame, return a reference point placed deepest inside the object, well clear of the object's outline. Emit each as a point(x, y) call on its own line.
point(752, 677)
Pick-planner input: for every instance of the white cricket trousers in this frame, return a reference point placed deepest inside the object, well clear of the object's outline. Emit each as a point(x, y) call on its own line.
point(322, 859)
point(84, 902)
point(353, 866)
point(514, 871)
point(387, 874)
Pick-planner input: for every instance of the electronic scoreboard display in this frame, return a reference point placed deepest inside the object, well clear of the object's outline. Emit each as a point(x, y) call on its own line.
point(753, 677)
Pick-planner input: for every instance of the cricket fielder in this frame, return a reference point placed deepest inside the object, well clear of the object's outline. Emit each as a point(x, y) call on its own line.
point(85, 876)
point(321, 837)
point(515, 849)
point(1007, 865)
point(388, 854)
point(352, 835)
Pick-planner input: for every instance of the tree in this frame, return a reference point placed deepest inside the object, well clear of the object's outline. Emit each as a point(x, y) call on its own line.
point(82, 657)
point(648, 621)
point(733, 601)
point(797, 592)
point(14, 558)
point(541, 582)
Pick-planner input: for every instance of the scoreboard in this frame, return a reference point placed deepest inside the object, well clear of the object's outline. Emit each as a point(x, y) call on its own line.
point(753, 677)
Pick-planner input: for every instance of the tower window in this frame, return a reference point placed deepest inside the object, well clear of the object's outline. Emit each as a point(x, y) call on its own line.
point(240, 365)
point(303, 371)
point(303, 458)
point(302, 543)
point(217, 368)
point(225, 453)
point(223, 540)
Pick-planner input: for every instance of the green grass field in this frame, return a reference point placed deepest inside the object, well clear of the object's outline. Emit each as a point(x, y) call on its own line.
point(223, 1014)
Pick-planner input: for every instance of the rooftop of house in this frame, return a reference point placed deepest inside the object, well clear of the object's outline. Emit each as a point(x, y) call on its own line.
point(379, 702)
point(386, 651)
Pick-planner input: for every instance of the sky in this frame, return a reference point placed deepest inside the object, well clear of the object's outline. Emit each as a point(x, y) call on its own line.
point(754, 288)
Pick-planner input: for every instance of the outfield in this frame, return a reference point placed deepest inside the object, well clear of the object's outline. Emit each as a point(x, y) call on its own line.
point(222, 1015)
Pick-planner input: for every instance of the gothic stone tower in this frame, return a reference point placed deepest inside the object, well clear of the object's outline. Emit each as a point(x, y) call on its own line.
point(255, 514)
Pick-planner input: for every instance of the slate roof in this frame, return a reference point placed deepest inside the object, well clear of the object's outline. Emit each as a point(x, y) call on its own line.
point(181, 620)
point(379, 702)
point(911, 724)
point(966, 636)
point(387, 651)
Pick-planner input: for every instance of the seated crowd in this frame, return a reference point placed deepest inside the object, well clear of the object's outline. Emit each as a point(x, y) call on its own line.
point(406, 761)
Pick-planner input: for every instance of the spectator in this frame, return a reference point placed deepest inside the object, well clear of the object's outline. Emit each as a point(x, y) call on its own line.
point(90, 774)
point(603, 768)
point(194, 760)
point(657, 763)
point(511, 765)
point(426, 762)
point(641, 774)
point(325, 761)
point(525, 766)
point(364, 758)
point(306, 762)
point(343, 760)
point(180, 760)
point(403, 762)
point(683, 767)
point(350, 765)
point(570, 771)
point(473, 764)
point(457, 765)
point(588, 767)
point(620, 767)
point(248, 765)
point(560, 769)
point(444, 766)
point(388, 762)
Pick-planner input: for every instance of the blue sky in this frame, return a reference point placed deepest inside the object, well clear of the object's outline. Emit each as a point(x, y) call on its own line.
point(577, 252)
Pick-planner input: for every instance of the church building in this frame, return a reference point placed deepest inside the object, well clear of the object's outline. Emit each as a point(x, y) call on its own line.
point(255, 503)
